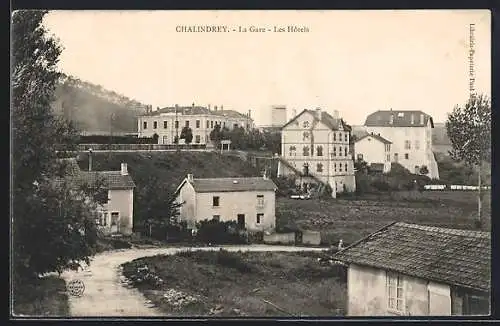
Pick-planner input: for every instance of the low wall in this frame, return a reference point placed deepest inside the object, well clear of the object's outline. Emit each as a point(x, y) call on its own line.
point(280, 238)
point(311, 238)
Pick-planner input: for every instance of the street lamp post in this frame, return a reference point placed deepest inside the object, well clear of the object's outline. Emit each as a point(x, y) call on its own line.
point(90, 159)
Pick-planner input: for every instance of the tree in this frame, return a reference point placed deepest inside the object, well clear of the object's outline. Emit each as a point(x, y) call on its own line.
point(187, 135)
point(424, 170)
point(469, 130)
point(216, 135)
point(361, 166)
point(52, 223)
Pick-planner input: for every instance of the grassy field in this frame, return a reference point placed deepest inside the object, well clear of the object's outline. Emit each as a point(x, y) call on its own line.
point(44, 297)
point(351, 219)
point(242, 284)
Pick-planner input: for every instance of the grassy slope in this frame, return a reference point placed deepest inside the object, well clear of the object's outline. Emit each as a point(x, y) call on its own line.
point(170, 167)
point(295, 282)
point(44, 297)
point(351, 220)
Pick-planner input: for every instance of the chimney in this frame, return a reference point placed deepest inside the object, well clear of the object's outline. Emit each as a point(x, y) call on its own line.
point(193, 105)
point(336, 114)
point(318, 113)
point(190, 177)
point(215, 107)
point(209, 107)
point(412, 119)
point(124, 169)
point(222, 107)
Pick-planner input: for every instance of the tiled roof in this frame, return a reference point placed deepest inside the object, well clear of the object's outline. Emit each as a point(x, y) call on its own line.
point(451, 256)
point(112, 179)
point(197, 110)
point(401, 119)
point(229, 184)
point(378, 137)
point(326, 118)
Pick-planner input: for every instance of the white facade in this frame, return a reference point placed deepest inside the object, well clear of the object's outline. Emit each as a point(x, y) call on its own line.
point(202, 123)
point(411, 135)
point(253, 209)
point(307, 141)
point(116, 216)
point(372, 149)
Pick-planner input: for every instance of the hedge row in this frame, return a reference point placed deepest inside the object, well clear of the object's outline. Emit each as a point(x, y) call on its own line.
point(103, 139)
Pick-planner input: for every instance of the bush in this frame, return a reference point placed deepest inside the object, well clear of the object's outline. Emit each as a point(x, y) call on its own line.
point(217, 232)
point(104, 139)
point(380, 185)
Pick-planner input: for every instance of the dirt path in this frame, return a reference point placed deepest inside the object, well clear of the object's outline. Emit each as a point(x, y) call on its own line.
point(106, 296)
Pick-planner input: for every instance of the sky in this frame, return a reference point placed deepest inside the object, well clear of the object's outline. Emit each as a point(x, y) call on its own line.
point(355, 62)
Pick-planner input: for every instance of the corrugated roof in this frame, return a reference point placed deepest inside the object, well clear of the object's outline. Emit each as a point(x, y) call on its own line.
point(378, 137)
point(451, 256)
point(400, 119)
point(233, 184)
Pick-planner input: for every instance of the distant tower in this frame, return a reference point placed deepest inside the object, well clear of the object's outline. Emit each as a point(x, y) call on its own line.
point(278, 115)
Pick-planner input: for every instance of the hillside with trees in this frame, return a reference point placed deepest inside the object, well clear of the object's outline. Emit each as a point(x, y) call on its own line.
point(94, 109)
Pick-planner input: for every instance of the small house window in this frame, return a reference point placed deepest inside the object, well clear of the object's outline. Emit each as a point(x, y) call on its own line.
point(208, 124)
point(197, 123)
point(345, 166)
point(395, 295)
point(334, 136)
point(145, 125)
point(260, 218)
point(335, 167)
point(334, 151)
point(306, 124)
point(104, 218)
point(176, 124)
point(319, 167)
point(306, 151)
point(319, 151)
point(216, 218)
point(155, 124)
point(407, 156)
point(417, 144)
point(260, 201)
point(292, 151)
point(305, 136)
point(360, 157)
point(388, 158)
point(340, 151)
point(215, 201)
point(346, 137)
point(211, 124)
point(407, 144)
point(345, 151)
point(187, 123)
point(165, 124)
point(197, 139)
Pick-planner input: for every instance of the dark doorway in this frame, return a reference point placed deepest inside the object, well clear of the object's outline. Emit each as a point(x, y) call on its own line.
point(241, 221)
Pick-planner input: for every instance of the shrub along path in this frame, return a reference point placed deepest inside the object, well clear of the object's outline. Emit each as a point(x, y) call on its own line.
point(105, 295)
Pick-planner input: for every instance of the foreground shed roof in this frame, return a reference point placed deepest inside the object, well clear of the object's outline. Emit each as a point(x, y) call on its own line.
point(451, 256)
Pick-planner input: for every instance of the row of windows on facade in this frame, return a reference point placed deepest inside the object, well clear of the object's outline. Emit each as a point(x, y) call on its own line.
point(417, 144)
point(306, 150)
point(306, 135)
point(388, 158)
point(210, 124)
point(395, 287)
point(319, 167)
point(260, 201)
point(259, 218)
point(103, 218)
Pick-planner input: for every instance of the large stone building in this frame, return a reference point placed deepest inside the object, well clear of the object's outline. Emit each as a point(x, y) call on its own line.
point(168, 122)
point(410, 134)
point(315, 146)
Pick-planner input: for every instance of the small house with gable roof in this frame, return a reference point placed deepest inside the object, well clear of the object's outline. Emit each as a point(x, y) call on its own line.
point(249, 201)
point(415, 270)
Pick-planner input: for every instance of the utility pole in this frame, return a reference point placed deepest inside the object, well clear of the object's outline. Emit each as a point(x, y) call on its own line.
point(176, 130)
